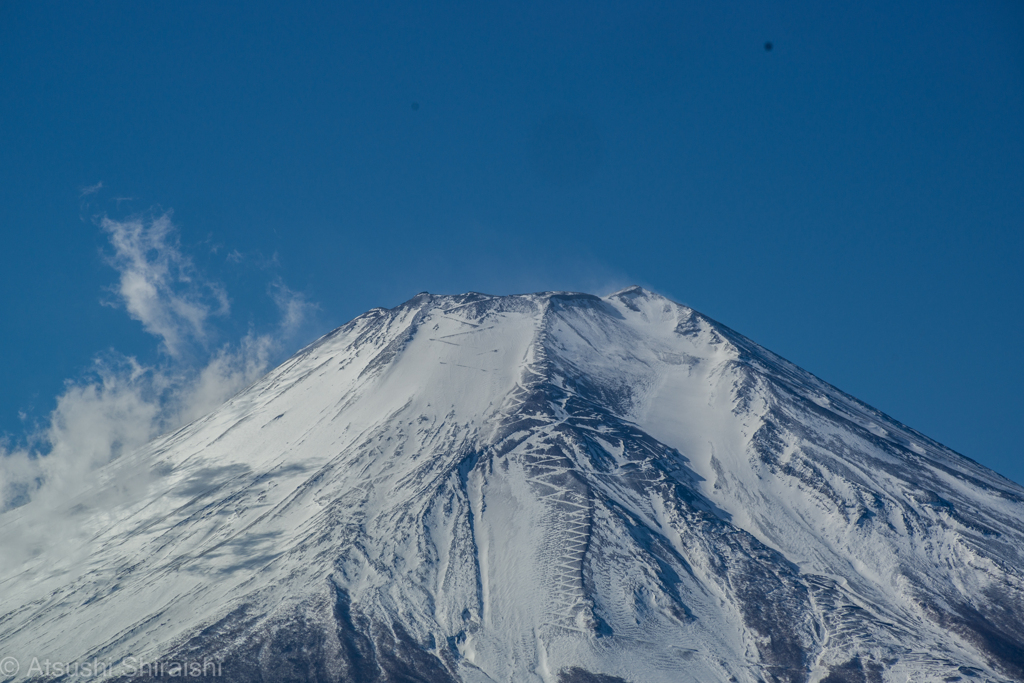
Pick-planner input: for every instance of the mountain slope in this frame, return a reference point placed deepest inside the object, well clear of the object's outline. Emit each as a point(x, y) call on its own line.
point(549, 487)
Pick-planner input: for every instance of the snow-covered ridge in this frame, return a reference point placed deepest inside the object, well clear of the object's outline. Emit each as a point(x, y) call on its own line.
point(545, 487)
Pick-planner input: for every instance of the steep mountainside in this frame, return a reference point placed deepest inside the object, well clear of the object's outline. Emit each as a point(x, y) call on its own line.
point(552, 487)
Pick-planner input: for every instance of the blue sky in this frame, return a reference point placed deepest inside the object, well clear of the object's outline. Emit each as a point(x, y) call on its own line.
point(853, 199)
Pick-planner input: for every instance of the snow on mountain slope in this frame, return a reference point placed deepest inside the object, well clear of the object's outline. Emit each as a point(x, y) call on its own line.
point(552, 487)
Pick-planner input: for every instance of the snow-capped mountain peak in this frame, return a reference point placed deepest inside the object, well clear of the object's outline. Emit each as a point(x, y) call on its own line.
point(551, 487)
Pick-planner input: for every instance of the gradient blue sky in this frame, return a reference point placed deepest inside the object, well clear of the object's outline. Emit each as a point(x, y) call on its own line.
point(852, 199)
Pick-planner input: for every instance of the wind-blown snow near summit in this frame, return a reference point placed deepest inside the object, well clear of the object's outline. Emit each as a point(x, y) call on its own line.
point(552, 487)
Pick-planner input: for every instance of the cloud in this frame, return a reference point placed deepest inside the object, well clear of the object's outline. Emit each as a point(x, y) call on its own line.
point(295, 309)
point(159, 286)
point(121, 404)
point(92, 189)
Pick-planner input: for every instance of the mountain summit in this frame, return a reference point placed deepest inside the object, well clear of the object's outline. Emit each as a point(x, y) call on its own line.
point(551, 487)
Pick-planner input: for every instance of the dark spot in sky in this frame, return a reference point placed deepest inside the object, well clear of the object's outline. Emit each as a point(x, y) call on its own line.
point(415, 106)
point(768, 46)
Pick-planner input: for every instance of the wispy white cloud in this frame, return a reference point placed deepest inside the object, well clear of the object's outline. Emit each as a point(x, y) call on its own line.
point(295, 309)
point(121, 403)
point(91, 189)
point(159, 285)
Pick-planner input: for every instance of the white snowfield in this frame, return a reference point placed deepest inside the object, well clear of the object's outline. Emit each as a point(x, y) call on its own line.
point(552, 487)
